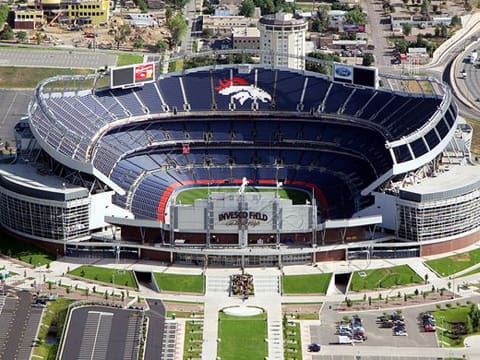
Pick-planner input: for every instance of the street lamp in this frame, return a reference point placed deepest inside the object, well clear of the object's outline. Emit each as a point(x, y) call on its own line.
point(443, 330)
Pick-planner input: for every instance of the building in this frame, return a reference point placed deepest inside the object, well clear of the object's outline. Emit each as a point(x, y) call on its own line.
point(282, 40)
point(27, 19)
point(246, 38)
point(383, 173)
point(89, 11)
point(224, 25)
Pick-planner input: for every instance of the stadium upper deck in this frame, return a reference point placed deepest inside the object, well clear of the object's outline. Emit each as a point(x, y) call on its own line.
point(260, 123)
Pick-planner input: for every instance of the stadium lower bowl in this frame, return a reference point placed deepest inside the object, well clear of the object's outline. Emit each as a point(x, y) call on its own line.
point(242, 311)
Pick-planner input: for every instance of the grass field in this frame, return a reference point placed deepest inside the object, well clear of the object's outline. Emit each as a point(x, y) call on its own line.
point(28, 78)
point(23, 251)
point(188, 196)
point(476, 135)
point(53, 318)
point(128, 59)
point(180, 283)
point(384, 278)
point(306, 284)
point(105, 275)
point(452, 315)
point(453, 264)
point(242, 338)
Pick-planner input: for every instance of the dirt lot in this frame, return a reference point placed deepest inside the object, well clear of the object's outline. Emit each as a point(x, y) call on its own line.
point(60, 36)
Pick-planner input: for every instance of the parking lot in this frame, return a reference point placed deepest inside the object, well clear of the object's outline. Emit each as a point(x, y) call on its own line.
point(100, 332)
point(14, 105)
point(325, 333)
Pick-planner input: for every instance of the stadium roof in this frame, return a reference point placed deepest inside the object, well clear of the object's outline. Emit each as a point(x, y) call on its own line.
point(29, 181)
point(454, 181)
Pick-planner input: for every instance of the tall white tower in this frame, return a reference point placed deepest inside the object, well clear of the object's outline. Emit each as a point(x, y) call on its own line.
point(282, 39)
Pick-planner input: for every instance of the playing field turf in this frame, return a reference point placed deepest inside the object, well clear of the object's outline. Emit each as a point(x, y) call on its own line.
point(188, 196)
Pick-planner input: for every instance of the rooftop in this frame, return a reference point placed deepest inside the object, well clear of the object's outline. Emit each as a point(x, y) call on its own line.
point(453, 181)
point(25, 177)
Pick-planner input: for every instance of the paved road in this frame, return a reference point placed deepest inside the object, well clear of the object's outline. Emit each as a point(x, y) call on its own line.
point(156, 326)
point(55, 58)
point(191, 18)
point(379, 29)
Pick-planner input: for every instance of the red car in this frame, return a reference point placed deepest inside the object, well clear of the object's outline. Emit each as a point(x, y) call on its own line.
point(429, 328)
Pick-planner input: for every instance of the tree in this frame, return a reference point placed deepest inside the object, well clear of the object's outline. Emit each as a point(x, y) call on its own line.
point(138, 42)
point(247, 8)
point(425, 9)
point(7, 33)
point(21, 36)
point(178, 29)
point(368, 59)
point(319, 22)
point(207, 32)
point(456, 21)
point(402, 46)
point(121, 33)
point(406, 29)
point(355, 16)
point(3, 14)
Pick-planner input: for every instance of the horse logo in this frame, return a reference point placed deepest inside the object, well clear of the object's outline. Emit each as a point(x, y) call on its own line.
point(241, 90)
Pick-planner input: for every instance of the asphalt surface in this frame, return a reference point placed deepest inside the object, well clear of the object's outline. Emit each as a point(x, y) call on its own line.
point(19, 323)
point(102, 333)
point(14, 105)
point(56, 58)
point(156, 329)
point(379, 28)
point(325, 333)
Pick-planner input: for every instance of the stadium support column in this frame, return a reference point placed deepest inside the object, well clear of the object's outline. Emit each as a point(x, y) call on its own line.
point(209, 219)
point(242, 222)
point(314, 219)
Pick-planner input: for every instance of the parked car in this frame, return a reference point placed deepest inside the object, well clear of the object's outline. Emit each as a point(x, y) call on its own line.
point(313, 347)
point(395, 61)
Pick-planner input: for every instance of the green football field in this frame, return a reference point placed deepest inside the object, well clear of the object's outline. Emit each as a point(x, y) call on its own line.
point(188, 196)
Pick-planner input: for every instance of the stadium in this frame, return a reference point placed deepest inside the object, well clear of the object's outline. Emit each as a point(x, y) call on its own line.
point(242, 165)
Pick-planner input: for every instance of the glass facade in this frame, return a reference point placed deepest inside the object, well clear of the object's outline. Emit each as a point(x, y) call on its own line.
point(438, 219)
point(46, 219)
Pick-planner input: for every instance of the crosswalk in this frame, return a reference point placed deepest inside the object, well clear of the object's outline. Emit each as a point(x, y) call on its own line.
point(94, 344)
point(169, 345)
point(218, 284)
point(266, 284)
point(275, 340)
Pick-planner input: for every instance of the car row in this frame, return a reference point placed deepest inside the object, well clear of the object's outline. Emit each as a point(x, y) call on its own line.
point(395, 321)
point(427, 322)
point(352, 329)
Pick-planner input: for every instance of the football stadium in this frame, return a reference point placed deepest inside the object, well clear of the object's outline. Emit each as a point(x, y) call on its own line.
point(242, 165)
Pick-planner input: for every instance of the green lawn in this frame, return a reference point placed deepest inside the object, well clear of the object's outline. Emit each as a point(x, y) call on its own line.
point(384, 278)
point(188, 196)
point(292, 340)
point(306, 284)
point(128, 59)
point(23, 251)
point(453, 264)
point(180, 283)
point(53, 318)
point(452, 315)
point(192, 347)
point(242, 338)
point(29, 77)
point(105, 275)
